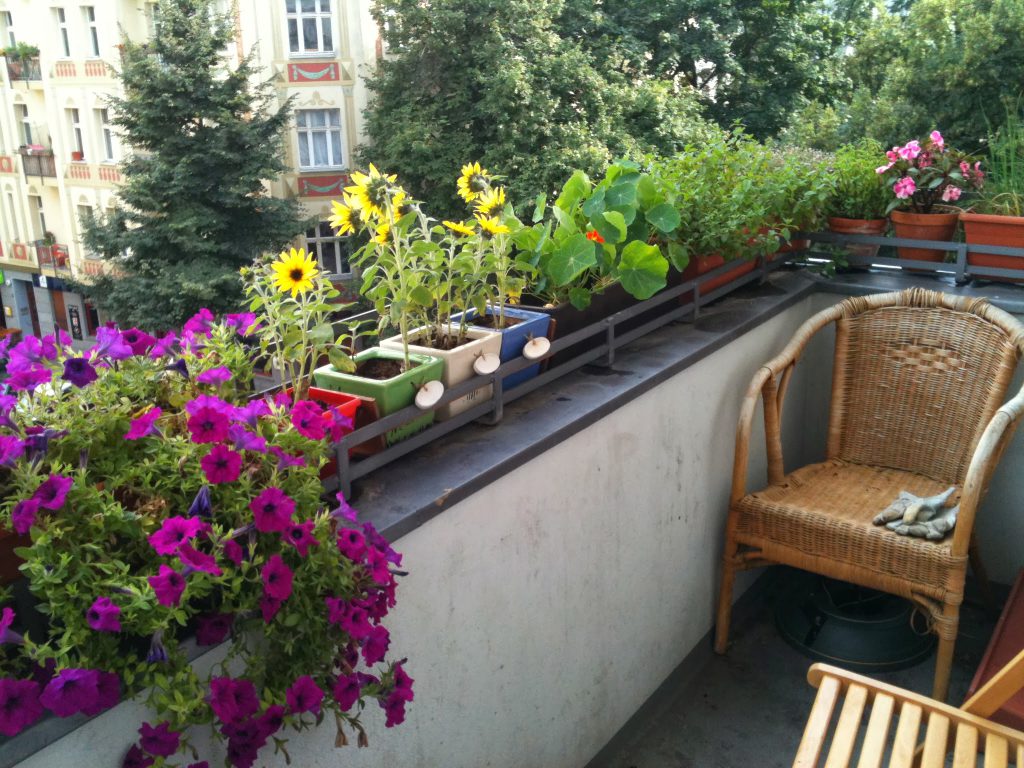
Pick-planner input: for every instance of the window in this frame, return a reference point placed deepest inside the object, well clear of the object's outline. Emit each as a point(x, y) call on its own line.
point(107, 133)
point(319, 138)
point(84, 215)
point(76, 131)
point(62, 27)
point(8, 20)
point(331, 251)
point(35, 204)
point(26, 125)
point(94, 31)
point(152, 18)
point(10, 220)
point(309, 26)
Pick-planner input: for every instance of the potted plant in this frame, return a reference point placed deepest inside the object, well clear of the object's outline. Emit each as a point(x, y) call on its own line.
point(799, 187)
point(922, 177)
point(77, 156)
point(19, 57)
point(163, 501)
point(997, 217)
point(859, 199)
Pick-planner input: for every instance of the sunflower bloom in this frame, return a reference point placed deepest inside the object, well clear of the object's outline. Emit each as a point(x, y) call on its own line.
point(493, 225)
point(400, 204)
point(473, 181)
point(370, 191)
point(460, 227)
point(491, 202)
point(294, 271)
point(343, 220)
point(383, 231)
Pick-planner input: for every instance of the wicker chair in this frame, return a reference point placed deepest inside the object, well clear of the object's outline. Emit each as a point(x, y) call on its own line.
point(917, 384)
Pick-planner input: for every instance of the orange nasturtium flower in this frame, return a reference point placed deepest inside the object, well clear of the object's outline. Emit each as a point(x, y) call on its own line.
point(595, 236)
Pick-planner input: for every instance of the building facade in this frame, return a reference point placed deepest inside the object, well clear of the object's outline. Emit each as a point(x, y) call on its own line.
point(60, 156)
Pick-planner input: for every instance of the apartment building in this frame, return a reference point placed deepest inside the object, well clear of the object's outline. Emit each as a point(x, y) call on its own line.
point(60, 155)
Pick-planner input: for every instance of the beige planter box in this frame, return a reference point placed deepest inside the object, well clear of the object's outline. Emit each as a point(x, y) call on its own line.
point(458, 365)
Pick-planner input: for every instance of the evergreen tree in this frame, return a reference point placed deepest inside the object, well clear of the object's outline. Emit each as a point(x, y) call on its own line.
point(193, 207)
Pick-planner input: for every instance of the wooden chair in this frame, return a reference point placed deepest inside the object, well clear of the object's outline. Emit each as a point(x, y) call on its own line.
point(916, 390)
point(964, 732)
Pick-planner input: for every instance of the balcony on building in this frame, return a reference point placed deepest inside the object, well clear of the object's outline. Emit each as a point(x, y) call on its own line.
point(24, 68)
point(37, 160)
point(53, 257)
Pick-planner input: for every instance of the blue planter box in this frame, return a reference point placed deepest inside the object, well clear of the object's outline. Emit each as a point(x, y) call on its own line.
point(533, 325)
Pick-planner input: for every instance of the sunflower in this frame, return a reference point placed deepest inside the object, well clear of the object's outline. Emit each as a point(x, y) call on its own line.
point(401, 204)
point(294, 271)
point(383, 231)
point(491, 202)
point(344, 219)
point(370, 191)
point(460, 227)
point(492, 225)
point(473, 181)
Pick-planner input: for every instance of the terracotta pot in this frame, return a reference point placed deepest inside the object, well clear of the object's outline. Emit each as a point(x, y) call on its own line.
point(701, 265)
point(924, 226)
point(844, 226)
point(986, 229)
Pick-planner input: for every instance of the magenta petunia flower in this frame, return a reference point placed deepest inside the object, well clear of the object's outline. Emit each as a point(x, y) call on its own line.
point(52, 493)
point(375, 647)
point(231, 700)
point(251, 412)
point(277, 578)
point(175, 531)
point(304, 695)
point(168, 585)
point(215, 376)
point(343, 509)
point(213, 628)
point(308, 419)
point(300, 536)
point(198, 561)
point(144, 425)
point(269, 607)
point(233, 551)
point(208, 426)
point(140, 341)
point(108, 693)
point(272, 510)
point(354, 619)
point(245, 440)
point(71, 691)
point(110, 343)
point(23, 516)
point(221, 465)
point(159, 740)
point(346, 691)
point(6, 620)
point(164, 346)
point(242, 322)
point(28, 378)
point(79, 372)
point(136, 758)
point(104, 615)
point(200, 322)
point(352, 544)
point(338, 424)
point(19, 705)
point(285, 460)
point(394, 711)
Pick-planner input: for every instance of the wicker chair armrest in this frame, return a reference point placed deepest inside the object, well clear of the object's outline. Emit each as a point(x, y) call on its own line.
point(986, 456)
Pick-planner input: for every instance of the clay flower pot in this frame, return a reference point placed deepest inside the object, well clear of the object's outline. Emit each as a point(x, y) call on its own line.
point(844, 226)
point(986, 229)
point(924, 226)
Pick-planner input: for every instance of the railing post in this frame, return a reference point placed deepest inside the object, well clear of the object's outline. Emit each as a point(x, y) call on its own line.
point(609, 358)
point(961, 264)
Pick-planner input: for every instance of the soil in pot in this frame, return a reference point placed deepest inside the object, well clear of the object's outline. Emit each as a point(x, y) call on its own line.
point(924, 226)
point(490, 322)
point(379, 369)
point(1002, 231)
point(844, 226)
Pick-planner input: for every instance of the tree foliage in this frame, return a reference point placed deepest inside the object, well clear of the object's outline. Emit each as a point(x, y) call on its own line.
point(193, 207)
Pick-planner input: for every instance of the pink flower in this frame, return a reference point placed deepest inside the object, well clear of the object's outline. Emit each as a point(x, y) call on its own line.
point(23, 516)
point(140, 341)
point(883, 168)
point(160, 740)
point(376, 645)
point(893, 155)
point(143, 425)
point(233, 701)
point(304, 695)
point(300, 536)
point(71, 691)
point(269, 608)
point(198, 561)
point(951, 193)
point(168, 585)
point(221, 465)
point(208, 425)
point(217, 375)
point(213, 628)
point(308, 419)
point(53, 491)
point(175, 531)
point(937, 141)
point(233, 551)
point(103, 616)
point(272, 510)
point(19, 705)
point(910, 150)
point(277, 579)
point(346, 691)
point(904, 187)
point(965, 167)
point(352, 544)
point(200, 322)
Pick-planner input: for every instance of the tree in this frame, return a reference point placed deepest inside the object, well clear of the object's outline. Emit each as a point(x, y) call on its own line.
point(496, 81)
point(193, 207)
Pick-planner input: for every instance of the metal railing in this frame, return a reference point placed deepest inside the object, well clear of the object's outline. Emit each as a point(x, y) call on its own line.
point(24, 69)
point(38, 163)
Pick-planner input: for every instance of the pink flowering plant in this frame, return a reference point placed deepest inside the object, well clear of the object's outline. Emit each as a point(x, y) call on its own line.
point(167, 505)
point(923, 174)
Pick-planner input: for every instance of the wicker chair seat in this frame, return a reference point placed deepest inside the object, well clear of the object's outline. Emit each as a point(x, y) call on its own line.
point(825, 510)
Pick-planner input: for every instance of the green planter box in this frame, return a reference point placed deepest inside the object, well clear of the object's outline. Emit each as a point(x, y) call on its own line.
point(392, 394)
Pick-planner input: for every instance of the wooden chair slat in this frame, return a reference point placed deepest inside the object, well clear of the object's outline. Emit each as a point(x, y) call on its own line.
point(997, 754)
point(817, 724)
point(877, 734)
point(845, 735)
point(1003, 686)
point(905, 743)
point(965, 753)
point(935, 741)
point(1020, 756)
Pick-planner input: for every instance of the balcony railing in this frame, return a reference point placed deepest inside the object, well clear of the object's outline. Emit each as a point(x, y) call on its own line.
point(38, 162)
point(24, 69)
point(53, 257)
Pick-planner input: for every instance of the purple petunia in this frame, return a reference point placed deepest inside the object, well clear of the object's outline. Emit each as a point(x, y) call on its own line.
point(245, 440)
point(168, 585)
point(201, 506)
point(269, 607)
point(136, 758)
point(6, 620)
point(343, 509)
point(221, 465)
point(159, 740)
point(144, 425)
point(23, 516)
point(375, 647)
point(308, 420)
point(108, 693)
point(19, 705)
point(200, 322)
point(352, 618)
point(250, 412)
point(103, 615)
point(233, 551)
point(215, 376)
point(28, 378)
point(208, 426)
point(213, 628)
point(11, 449)
point(285, 460)
point(232, 701)
point(242, 322)
point(53, 491)
point(198, 561)
point(175, 531)
point(140, 341)
point(277, 578)
point(304, 695)
point(300, 536)
point(352, 544)
point(71, 691)
point(164, 346)
point(79, 372)
point(346, 691)
point(110, 343)
point(272, 510)
point(394, 704)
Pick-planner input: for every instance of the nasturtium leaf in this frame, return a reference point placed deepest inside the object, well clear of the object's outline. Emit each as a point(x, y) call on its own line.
point(647, 193)
point(566, 223)
point(611, 226)
point(642, 269)
point(571, 259)
point(579, 297)
point(622, 193)
point(539, 206)
point(594, 205)
point(663, 217)
point(574, 190)
point(678, 255)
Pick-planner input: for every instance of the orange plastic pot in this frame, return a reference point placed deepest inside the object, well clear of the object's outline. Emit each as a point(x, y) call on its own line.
point(843, 226)
point(924, 226)
point(1004, 231)
point(701, 265)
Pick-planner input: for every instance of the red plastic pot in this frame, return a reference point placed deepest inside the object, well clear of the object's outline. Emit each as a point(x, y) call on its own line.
point(844, 226)
point(1004, 231)
point(701, 265)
